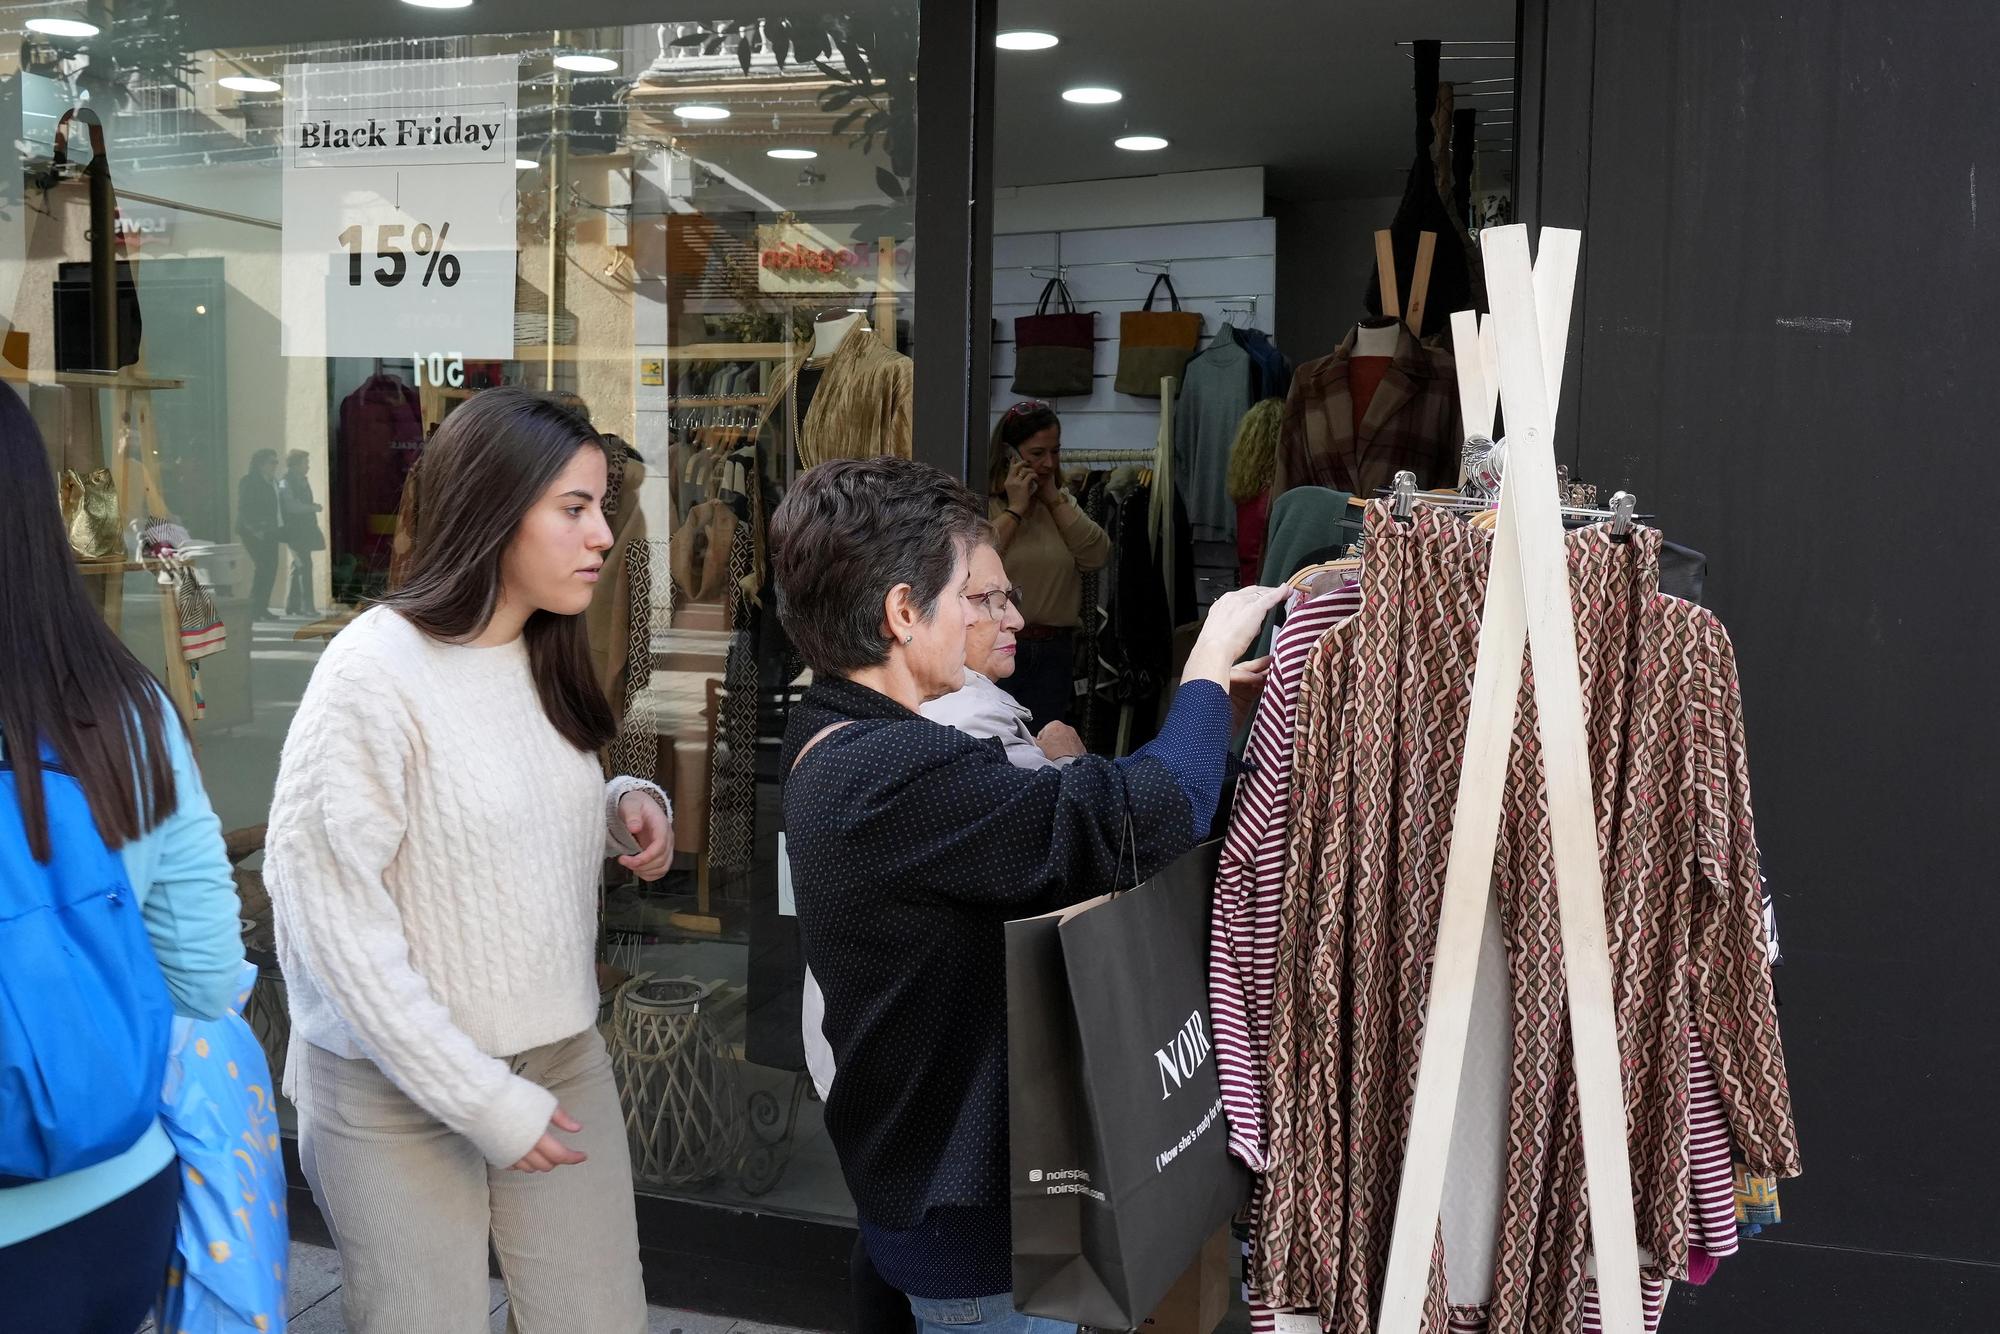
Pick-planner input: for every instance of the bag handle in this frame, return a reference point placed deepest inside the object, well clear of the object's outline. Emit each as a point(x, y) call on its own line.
point(1172, 295)
point(60, 159)
point(1057, 288)
point(818, 737)
point(1125, 838)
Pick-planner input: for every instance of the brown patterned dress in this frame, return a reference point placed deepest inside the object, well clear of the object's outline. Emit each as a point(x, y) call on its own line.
point(1381, 728)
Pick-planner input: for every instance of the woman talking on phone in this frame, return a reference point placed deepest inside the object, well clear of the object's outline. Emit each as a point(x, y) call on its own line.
point(1049, 544)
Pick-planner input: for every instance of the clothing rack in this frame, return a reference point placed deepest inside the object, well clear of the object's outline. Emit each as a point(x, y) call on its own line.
point(1527, 606)
point(1405, 498)
point(717, 400)
point(1111, 455)
point(1245, 306)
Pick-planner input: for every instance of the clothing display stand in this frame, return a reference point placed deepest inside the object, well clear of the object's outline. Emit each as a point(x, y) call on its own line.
point(1420, 279)
point(885, 292)
point(1527, 606)
point(135, 470)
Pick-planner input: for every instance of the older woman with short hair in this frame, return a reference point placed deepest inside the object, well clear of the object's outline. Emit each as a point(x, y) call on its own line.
point(980, 706)
point(912, 844)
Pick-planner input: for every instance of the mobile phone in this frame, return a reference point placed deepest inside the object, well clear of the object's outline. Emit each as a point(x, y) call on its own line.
point(1015, 455)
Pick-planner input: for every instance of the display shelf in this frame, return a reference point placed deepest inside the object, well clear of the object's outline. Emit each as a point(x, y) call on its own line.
point(98, 568)
point(737, 351)
point(125, 379)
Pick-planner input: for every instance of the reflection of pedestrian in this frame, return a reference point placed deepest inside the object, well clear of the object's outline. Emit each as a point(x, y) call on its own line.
point(301, 532)
point(259, 521)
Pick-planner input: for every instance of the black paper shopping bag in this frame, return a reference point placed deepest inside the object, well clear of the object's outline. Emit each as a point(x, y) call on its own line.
point(1120, 1163)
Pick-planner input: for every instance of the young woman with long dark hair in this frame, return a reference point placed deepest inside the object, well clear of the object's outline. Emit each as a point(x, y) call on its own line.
point(87, 1250)
point(435, 846)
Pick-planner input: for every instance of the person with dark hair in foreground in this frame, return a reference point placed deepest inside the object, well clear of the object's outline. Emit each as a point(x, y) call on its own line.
point(105, 795)
point(912, 844)
point(436, 843)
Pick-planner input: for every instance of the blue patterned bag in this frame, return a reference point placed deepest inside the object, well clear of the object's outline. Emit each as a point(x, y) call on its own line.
point(220, 1110)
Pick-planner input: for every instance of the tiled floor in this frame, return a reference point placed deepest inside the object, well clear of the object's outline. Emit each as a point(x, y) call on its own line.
point(315, 1304)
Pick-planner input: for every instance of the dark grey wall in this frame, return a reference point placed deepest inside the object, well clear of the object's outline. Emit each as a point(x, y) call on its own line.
point(1787, 347)
point(1326, 250)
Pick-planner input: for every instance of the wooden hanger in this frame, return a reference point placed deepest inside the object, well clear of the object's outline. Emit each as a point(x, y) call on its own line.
point(1325, 576)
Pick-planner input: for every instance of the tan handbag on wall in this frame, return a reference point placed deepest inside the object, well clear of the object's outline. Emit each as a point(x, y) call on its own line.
point(1153, 344)
point(91, 515)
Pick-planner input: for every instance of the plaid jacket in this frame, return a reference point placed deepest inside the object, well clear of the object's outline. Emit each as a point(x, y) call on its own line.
point(1412, 422)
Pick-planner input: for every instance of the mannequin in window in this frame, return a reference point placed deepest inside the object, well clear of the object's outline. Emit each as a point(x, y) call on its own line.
point(1374, 349)
point(830, 329)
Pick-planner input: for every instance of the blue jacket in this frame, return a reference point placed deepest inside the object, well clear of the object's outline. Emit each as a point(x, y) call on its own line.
point(181, 876)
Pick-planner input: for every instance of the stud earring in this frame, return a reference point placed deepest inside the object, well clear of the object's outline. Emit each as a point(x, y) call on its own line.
point(908, 638)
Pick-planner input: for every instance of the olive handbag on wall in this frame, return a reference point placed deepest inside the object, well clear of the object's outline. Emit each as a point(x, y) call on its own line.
point(1153, 344)
point(1053, 350)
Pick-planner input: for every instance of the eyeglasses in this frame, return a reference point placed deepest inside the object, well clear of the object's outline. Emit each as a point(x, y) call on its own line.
point(996, 603)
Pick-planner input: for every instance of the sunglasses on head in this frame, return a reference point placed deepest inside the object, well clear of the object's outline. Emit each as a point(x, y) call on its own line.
point(1024, 406)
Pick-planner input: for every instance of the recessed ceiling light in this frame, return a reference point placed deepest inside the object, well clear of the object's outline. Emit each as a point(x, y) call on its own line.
point(1092, 97)
point(62, 27)
point(248, 83)
point(700, 111)
point(587, 64)
point(1141, 143)
point(439, 4)
point(525, 164)
point(792, 154)
point(1025, 39)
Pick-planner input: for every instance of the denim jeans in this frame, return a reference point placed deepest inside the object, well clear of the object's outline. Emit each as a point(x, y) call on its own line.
point(988, 1315)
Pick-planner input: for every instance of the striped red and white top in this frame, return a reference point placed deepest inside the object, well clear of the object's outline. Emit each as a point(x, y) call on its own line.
point(1250, 882)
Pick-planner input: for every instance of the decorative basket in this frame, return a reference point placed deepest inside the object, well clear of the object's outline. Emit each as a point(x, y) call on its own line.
point(683, 1102)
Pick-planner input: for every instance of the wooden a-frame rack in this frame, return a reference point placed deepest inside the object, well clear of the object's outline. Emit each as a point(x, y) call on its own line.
point(1420, 278)
point(1527, 607)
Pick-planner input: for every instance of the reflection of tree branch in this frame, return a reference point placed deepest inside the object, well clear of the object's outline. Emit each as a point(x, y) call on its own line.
point(875, 82)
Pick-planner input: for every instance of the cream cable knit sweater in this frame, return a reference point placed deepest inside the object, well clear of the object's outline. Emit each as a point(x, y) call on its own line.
point(433, 862)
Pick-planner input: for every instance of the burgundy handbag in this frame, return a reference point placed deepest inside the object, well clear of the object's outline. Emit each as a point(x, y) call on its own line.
point(1053, 350)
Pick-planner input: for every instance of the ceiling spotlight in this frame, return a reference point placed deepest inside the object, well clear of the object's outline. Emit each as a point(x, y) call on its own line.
point(439, 4)
point(1141, 143)
point(586, 64)
point(248, 83)
point(1024, 39)
point(792, 154)
point(700, 111)
point(525, 164)
point(1092, 97)
point(62, 27)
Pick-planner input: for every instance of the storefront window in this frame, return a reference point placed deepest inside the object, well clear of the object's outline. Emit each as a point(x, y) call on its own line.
point(318, 249)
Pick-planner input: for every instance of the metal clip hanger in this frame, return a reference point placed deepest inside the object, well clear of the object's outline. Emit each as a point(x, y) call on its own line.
point(1622, 506)
point(1403, 497)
